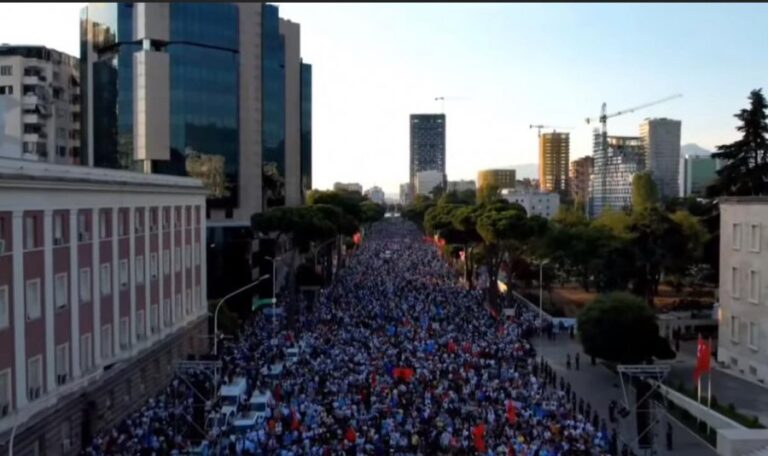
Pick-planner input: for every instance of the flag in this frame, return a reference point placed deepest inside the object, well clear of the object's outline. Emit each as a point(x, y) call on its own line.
point(478, 437)
point(703, 357)
point(511, 413)
point(351, 435)
point(357, 238)
point(294, 421)
point(451, 347)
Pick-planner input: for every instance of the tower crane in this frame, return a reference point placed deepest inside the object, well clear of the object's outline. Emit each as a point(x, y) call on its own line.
point(603, 118)
point(540, 127)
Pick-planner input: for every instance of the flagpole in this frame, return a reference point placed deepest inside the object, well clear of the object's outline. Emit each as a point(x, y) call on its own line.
point(709, 378)
point(698, 419)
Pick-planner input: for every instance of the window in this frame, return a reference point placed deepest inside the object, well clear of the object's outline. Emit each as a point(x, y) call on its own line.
point(197, 254)
point(106, 342)
point(177, 308)
point(140, 269)
point(62, 363)
point(735, 328)
point(102, 224)
point(58, 229)
point(6, 70)
point(140, 325)
point(166, 312)
point(137, 219)
point(85, 285)
point(124, 328)
point(188, 302)
point(754, 286)
point(166, 262)
point(30, 232)
point(754, 237)
point(32, 298)
point(5, 392)
point(121, 231)
point(153, 220)
point(153, 265)
point(166, 217)
point(154, 319)
point(736, 236)
point(4, 308)
point(187, 259)
point(123, 274)
point(753, 335)
point(82, 228)
point(60, 290)
point(198, 298)
point(106, 279)
point(86, 353)
point(34, 377)
point(735, 282)
point(6, 90)
point(176, 259)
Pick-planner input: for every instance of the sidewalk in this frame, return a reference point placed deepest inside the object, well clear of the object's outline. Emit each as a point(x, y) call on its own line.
point(598, 386)
point(747, 397)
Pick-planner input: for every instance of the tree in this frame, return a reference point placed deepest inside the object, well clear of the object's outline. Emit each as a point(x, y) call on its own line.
point(371, 212)
point(644, 191)
point(620, 328)
point(488, 193)
point(746, 168)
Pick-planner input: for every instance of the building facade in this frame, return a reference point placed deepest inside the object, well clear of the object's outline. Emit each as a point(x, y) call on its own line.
point(743, 330)
point(406, 193)
point(349, 187)
point(535, 203)
point(427, 181)
point(211, 90)
point(427, 144)
point(578, 178)
point(461, 185)
point(39, 104)
point(100, 270)
point(661, 141)
point(376, 194)
point(554, 157)
point(501, 178)
point(697, 172)
point(610, 185)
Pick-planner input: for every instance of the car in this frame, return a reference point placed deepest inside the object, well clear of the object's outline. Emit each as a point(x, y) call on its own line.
point(293, 353)
point(230, 394)
point(273, 372)
point(254, 412)
point(277, 311)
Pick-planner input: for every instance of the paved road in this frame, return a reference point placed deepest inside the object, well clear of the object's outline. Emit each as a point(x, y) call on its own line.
point(599, 386)
point(749, 398)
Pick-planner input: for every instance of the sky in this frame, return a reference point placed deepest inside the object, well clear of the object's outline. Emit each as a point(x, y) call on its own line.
point(501, 67)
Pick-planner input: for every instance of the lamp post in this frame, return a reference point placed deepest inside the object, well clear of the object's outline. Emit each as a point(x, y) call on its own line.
point(541, 295)
point(218, 306)
point(274, 290)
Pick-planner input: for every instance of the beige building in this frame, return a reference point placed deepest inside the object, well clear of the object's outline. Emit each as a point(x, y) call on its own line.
point(554, 153)
point(39, 105)
point(743, 290)
point(501, 178)
point(578, 178)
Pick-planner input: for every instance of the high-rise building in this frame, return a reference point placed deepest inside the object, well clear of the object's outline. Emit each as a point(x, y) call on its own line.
point(427, 144)
point(661, 140)
point(610, 185)
point(39, 104)
point(427, 181)
point(696, 173)
point(349, 187)
point(406, 193)
point(501, 178)
point(544, 204)
point(102, 286)
point(212, 90)
point(461, 185)
point(554, 156)
point(578, 178)
point(376, 194)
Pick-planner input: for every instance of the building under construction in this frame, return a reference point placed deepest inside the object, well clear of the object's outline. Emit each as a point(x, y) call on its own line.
point(610, 185)
point(554, 155)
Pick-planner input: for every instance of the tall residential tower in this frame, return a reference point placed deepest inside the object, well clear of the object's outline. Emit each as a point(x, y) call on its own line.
point(427, 144)
point(661, 140)
point(554, 154)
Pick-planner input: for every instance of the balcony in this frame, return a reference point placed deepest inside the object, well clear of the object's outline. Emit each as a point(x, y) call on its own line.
point(33, 80)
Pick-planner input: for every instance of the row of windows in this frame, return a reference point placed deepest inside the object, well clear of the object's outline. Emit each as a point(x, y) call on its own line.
point(87, 363)
point(753, 332)
point(61, 283)
point(753, 284)
point(754, 236)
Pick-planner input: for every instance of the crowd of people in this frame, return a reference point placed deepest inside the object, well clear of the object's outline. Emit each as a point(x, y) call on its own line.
point(396, 359)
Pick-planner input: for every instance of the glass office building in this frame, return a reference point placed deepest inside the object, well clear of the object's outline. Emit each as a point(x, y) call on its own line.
point(306, 128)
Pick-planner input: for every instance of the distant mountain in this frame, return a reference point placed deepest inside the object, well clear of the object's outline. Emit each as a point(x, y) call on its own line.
point(694, 149)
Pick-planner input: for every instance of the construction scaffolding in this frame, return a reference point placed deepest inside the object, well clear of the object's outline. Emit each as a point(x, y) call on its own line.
point(197, 375)
point(644, 410)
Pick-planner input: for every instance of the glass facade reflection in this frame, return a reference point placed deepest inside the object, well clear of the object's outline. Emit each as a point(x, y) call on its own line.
point(306, 128)
point(273, 106)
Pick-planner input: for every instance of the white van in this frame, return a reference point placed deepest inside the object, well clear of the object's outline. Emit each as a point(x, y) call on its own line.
point(230, 395)
point(255, 412)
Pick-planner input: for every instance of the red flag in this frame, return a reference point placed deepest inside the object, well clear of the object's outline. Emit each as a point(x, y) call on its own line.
point(357, 238)
point(397, 372)
point(703, 357)
point(351, 435)
point(373, 380)
point(294, 421)
point(478, 437)
point(407, 373)
point(451, 347)
point(511, 413)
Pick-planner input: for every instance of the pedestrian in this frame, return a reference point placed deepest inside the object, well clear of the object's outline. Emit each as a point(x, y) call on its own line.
point(568, 361)
point(577, 361)
point(669, 436)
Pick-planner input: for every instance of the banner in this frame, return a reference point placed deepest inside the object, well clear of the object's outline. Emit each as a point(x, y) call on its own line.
point(703, 357)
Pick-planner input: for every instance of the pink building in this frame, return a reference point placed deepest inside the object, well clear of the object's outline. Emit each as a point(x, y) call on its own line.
point(98, 268)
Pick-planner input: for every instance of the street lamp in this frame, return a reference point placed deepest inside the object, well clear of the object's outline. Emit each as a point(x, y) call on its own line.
point(218, 306)
point(541, 295)
point(274, 291)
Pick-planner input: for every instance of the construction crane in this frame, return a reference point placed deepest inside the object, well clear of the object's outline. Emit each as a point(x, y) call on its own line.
point(539, 127)
point(442, 100)
point(603, 118)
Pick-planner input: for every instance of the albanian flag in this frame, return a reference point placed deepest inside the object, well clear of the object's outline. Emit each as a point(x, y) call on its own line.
point(511, 413)
point(478, 437)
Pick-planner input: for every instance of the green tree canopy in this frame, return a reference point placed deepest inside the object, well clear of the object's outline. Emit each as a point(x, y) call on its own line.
point(644, 191)
point(746, 168)
point(620, 328)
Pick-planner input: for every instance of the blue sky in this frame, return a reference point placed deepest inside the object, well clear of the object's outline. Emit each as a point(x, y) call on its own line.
point(505, 65)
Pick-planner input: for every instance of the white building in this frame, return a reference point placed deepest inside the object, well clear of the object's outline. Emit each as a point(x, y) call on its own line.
point(461, 185)
point(661, 140)
point(376, 194)
point(39, 104)
point(426, 181)
point(743, 288)
point(535, 203)
point(350, 187)
point(406, 193)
